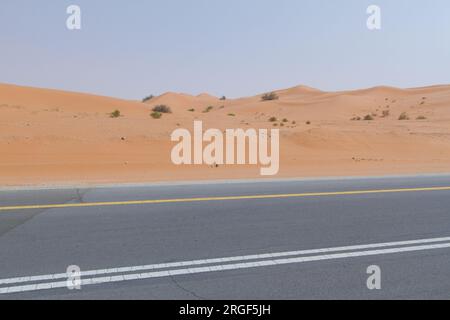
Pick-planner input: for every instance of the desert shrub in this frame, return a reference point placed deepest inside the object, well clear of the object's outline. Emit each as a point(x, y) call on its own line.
point(386, 113)
point(162, 108)
point(231, 115)
point(156, 115)
point(115, 114)
point(421, 118)
point(273, 119)
point(191, 110)
point(285, 120)
point(308, 122)
point(369, 117)
point(148, 98)
point(269, 96)
point(223, 98)
point(208, 109)
point(403, 116)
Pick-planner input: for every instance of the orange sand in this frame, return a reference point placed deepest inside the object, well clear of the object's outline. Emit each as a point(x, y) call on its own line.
point(55, 137)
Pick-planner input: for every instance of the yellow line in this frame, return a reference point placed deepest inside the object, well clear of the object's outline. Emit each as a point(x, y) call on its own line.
point(254, 197)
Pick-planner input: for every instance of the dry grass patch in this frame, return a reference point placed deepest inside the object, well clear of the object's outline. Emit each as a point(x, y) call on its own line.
point(403, 116)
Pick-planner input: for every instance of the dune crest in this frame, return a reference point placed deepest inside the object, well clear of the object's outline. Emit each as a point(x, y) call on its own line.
point(183, 101)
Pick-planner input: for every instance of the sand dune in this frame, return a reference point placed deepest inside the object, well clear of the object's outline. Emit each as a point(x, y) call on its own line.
point(55, 137)
point(181, 101)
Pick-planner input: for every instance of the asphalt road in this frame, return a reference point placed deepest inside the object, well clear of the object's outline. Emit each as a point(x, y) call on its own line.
point(247, 240)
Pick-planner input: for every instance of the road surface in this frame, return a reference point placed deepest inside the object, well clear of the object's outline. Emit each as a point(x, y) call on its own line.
point(310, 239)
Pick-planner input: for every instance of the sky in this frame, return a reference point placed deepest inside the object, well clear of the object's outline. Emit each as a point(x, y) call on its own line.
point(131, 49)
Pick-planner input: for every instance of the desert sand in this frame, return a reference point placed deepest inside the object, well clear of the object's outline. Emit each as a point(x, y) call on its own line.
point(54, 137)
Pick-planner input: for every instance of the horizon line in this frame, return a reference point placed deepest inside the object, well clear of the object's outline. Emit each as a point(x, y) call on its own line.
point(381, 86)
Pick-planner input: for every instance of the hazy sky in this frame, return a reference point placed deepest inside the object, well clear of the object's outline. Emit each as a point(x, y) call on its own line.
point(130, 49)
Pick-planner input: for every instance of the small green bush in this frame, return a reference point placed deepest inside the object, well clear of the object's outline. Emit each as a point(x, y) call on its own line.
point(208, 109)
point(269, 96)
point(156, 115)
point(148, 98)
point(162, 108)
point(115, 114)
